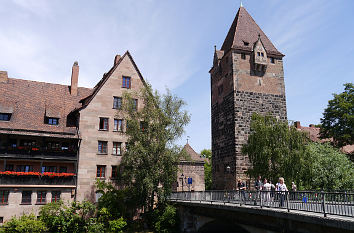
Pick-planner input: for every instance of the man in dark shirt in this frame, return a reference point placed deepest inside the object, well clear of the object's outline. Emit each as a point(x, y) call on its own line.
point(258, 184)
point(241, 186)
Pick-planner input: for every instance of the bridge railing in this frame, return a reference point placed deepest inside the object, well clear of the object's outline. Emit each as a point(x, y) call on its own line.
point(333, 203)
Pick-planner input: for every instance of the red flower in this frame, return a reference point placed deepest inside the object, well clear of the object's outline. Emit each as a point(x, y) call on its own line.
point(49, 174)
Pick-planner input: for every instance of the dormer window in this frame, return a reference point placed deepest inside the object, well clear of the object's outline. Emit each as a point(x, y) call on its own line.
point(272, 60)
point(5, 116)
point(51, 121)
point(245, 43)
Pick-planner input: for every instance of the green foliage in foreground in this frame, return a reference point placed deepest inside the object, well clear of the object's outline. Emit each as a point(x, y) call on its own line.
point(328, 168)
point(149, 164)
point(24, 224)
point(207, 169)
point(77, 217)
point(163, 219)
point(275, 149)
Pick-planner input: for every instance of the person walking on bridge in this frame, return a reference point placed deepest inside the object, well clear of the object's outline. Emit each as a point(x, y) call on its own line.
point(282, 189)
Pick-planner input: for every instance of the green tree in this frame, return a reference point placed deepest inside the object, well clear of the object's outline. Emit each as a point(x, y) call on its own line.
point(207, 169)
point(149, 163)
point(275, 149)
point(338, 118)
point(77, 217)
point(24, 224)
point(327, 168)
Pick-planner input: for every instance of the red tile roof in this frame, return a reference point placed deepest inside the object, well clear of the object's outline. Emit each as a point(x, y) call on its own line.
point(31, 101)
point(244, 32)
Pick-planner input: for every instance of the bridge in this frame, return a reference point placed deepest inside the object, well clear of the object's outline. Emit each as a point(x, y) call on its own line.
point(263, 211)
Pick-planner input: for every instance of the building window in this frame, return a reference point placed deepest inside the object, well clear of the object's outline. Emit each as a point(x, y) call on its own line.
point(114, 172)
point(117, 102)
point(51, 121)
point(143, 126)
point(272, 60)
point(9, 167)
point(24, 168)
point(41, 197)
point(258, 54)
point(26, 198)
point(5, 116)
point(117, 148)
point(103, 123)
point(63, 169)
point(49, 169)
point(102, 147)
point(126, 82)
point(4, 197)
point(243, 56)
point(262, 54)
point(56, 196)
point(135, 104)
point(1, 219)
point(101, 171)
point(118, 125)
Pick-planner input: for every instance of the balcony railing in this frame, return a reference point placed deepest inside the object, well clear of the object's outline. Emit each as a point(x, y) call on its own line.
point(36, 178)
point(24, 151)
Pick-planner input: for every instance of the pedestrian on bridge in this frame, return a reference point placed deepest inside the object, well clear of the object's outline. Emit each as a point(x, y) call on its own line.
point(282, 189)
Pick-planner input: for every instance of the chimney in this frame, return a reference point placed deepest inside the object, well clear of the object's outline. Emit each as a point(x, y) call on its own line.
point(116, 59)
point(3, 77)
point(297, 124)
point(74, 79)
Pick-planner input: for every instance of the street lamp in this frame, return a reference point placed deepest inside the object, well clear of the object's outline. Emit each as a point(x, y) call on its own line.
point(182, 181)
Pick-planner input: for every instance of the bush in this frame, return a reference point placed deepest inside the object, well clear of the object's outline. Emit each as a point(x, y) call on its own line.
point(117, 225)
point(24, 224)
point(78, 217)
point(165, 219)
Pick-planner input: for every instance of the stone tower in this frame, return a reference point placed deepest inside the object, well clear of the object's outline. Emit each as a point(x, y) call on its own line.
point(247, 76)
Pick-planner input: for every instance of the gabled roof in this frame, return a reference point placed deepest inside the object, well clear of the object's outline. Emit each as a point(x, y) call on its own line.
point(195, 157)
point(244, 32)
point(105, 77)
point(30, 101)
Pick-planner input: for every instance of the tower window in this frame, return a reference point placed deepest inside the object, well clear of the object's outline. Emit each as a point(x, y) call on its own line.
point(262, 54)
point(272, 60)
point(243, 56)
point(258, 54)
point(220, 89)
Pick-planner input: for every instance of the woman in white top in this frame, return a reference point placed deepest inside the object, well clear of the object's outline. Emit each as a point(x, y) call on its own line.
point(281, 188)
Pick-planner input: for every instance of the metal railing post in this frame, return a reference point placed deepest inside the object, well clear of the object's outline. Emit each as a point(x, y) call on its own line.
point(260, 198)
point(324, 204)
point(287, 201)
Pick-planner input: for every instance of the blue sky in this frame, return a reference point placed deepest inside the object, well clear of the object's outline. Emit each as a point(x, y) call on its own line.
point(172, 43)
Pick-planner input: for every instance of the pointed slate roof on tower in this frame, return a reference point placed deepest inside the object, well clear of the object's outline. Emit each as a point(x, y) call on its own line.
point(244, 32)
